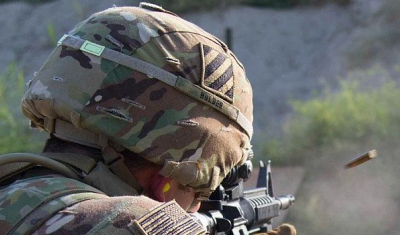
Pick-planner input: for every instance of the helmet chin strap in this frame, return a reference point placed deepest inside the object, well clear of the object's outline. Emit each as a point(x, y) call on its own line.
point(115, 163)
point(110, 152)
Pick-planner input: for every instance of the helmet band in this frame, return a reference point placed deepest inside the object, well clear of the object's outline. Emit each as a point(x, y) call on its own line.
point(153, 71)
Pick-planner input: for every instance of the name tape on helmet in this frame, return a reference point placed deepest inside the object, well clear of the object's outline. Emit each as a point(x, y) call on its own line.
point(153, 71)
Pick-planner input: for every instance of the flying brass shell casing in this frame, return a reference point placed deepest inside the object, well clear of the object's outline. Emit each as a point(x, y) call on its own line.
point(361, 159)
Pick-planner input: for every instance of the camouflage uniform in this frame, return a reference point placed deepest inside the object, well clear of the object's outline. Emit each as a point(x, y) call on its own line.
point(137, 79)
point(29, 206)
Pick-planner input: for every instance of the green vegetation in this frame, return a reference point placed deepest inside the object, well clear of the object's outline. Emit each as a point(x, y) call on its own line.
point(326, 132)
point(363, 111)
point(51, 33)
point(15, 134)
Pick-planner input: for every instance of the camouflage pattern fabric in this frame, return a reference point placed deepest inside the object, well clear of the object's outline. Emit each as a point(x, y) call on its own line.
point(196, 144)
point(58, 205)
point(114, 215)
point(26, 204)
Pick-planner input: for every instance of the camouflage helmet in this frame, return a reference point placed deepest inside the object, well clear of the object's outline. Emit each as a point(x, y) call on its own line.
point(143, 79)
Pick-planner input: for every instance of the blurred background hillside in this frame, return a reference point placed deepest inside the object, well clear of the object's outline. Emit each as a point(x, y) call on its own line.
point(325, 75)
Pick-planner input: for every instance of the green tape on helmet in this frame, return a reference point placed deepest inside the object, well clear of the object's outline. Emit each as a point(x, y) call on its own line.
point(92, 48)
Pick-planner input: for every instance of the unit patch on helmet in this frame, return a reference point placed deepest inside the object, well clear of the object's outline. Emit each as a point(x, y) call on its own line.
point(217, 75)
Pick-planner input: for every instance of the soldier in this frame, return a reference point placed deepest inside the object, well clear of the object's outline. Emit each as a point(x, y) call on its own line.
point(147, 113)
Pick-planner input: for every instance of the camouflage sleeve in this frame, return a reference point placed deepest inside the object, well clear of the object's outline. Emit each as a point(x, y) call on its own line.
point(98, 215)
point(117, 215)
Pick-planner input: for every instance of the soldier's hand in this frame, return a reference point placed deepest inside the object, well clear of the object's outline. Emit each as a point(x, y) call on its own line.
point(283, 229)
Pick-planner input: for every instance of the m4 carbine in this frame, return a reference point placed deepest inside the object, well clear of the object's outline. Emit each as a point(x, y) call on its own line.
point(232, 210)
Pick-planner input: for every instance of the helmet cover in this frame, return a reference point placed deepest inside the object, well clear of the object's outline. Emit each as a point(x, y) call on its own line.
point(194, 142)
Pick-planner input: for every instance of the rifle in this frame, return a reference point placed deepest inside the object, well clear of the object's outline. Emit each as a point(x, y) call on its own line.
point(231, 210)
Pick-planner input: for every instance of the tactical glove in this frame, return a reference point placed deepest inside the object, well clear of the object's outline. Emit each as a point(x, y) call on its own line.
point(284, 229)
